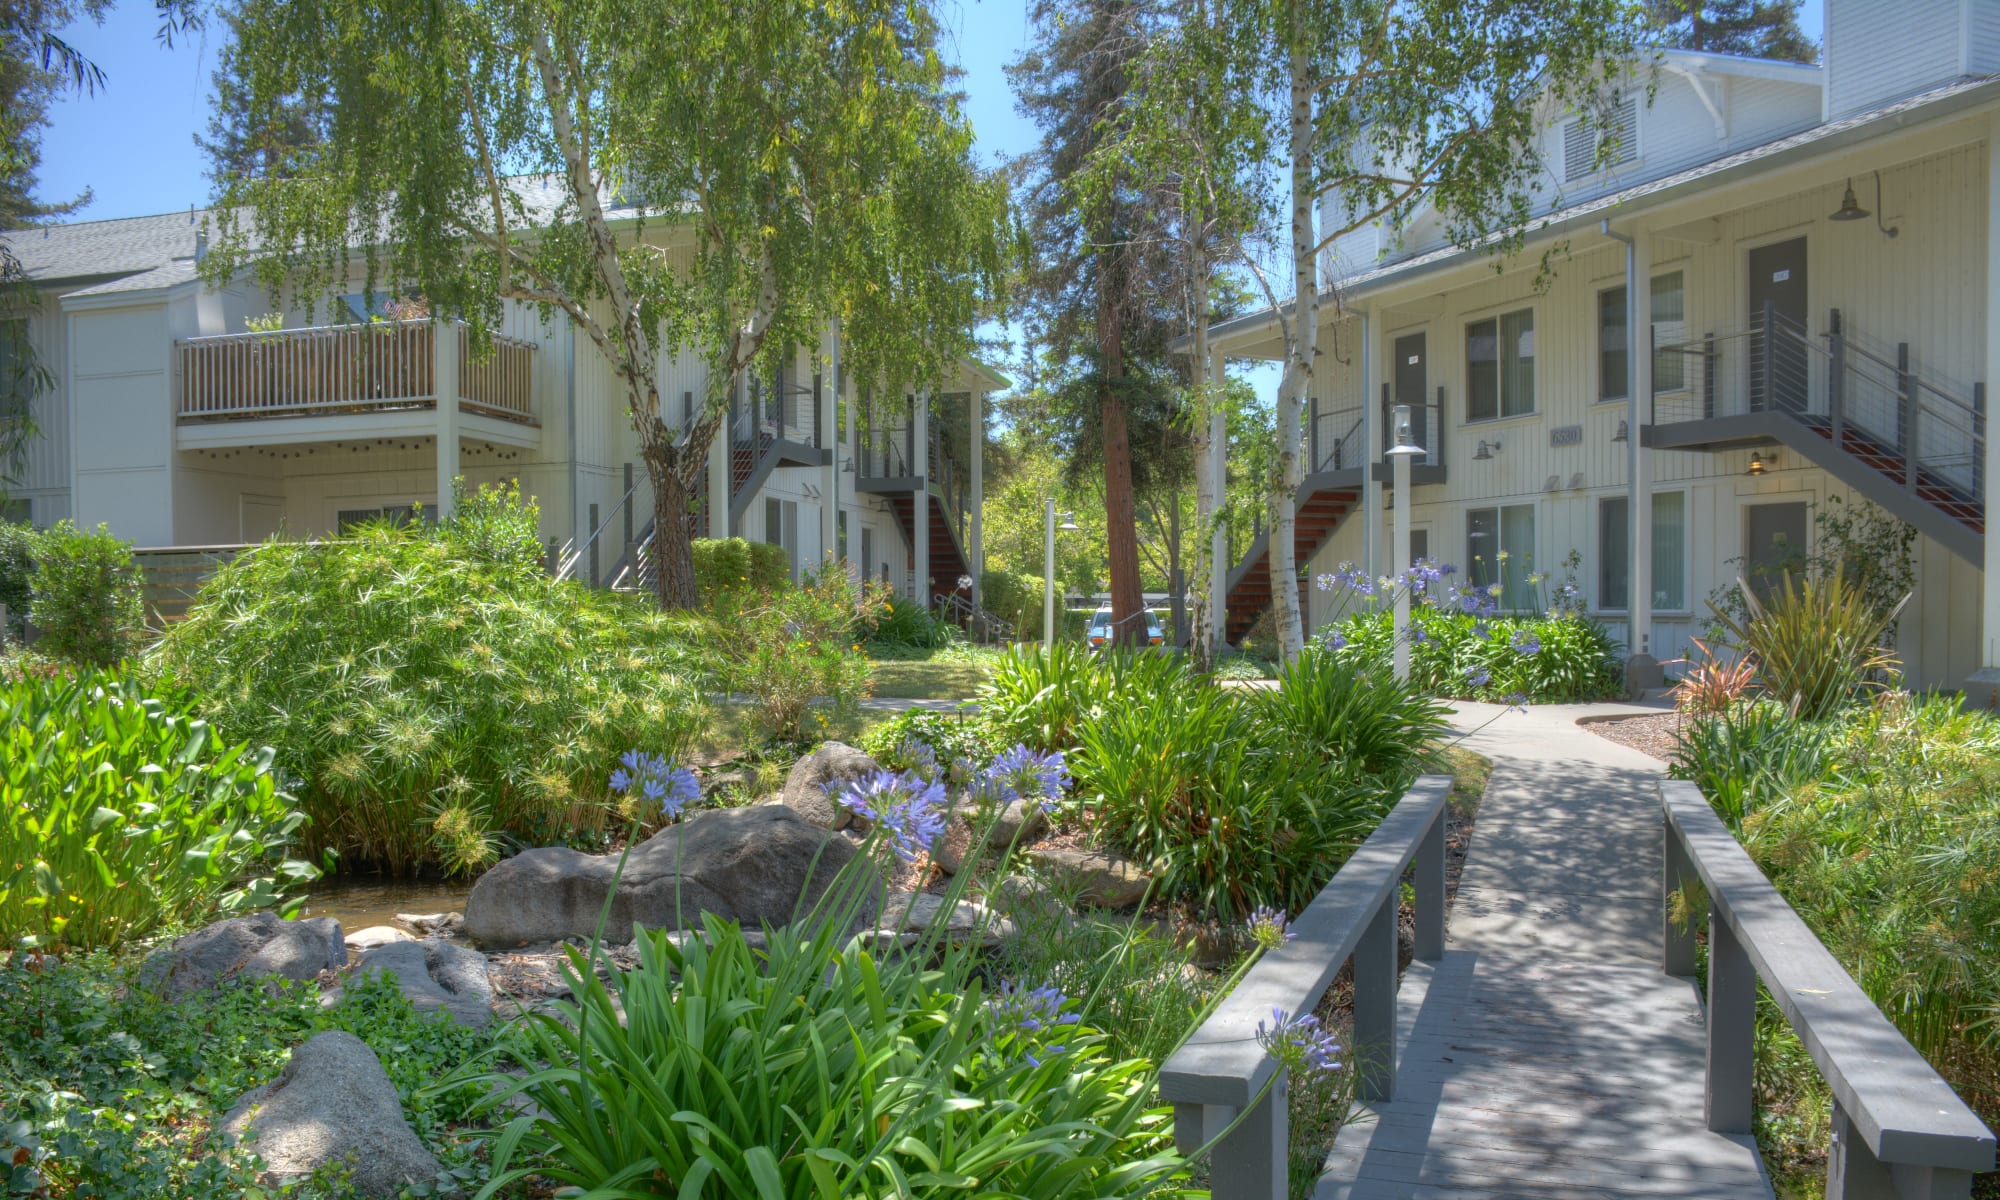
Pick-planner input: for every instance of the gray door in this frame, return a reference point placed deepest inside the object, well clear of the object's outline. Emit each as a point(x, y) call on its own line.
point(1411, 386)
point(1778, 293)
point(1774, 542)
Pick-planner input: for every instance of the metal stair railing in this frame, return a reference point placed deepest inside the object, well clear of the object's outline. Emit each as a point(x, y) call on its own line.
point(959, 608)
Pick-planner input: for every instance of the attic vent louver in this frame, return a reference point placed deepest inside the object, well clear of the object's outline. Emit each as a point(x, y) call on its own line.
point(1581, 139)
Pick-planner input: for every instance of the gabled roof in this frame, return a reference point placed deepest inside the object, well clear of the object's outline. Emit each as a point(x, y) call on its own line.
point(1831, 135)
point(84, 250)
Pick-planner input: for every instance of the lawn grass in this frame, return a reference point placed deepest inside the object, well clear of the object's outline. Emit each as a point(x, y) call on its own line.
point(1469, 773)
point(932, 679)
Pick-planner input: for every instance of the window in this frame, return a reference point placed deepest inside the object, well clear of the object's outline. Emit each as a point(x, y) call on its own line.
point(1500, 366)
point(1601, 141)
point(16, 510)
point(867, 551)
point(347, 519)
point(1614, 552)
point(1669, 328)
point(1500, 548)
point(781, 529)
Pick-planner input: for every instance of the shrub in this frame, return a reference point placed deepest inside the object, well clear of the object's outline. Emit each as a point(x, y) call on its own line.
point(1816, 642)
point(1014, 598)
point(17, 564)
point(905, 624)
point(1041, 695)
point(794, 651)
point(1545, 659)
point(1712, 685)
point(733, 565)
point(433, 688)
point(1749, 755)
point(85, 595)
point(921, 740)
point(816, 1071)
point(124, 814)
point(1351, 717)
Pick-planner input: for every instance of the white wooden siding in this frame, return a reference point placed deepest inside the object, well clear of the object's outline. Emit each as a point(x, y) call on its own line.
point(1877, 52)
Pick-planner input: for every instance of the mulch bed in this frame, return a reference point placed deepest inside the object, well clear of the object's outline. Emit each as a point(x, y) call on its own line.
point(1657, 734)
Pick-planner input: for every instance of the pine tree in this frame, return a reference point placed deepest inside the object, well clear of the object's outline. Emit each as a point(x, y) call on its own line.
point(276, 141)
point(1751, 28)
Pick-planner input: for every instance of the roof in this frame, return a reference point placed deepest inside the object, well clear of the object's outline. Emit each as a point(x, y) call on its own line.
point(1937, 102)
point(99, 249)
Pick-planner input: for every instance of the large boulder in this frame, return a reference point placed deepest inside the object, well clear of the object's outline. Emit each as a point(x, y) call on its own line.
point(750, 865)
point(333, 1105)
point(262, 944)
point(809, 788)
point(437, 977)
point(1092, 877)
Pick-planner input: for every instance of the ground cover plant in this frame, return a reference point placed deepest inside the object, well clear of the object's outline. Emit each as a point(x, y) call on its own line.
point(438, 696)
point(121, 813)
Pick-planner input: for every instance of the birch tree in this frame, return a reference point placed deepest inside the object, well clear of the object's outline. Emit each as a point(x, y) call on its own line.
point(701, 177)
point(1383, 107)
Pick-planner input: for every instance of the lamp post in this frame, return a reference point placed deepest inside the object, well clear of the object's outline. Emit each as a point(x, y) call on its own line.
point(1400, 455)
point(1049, 566)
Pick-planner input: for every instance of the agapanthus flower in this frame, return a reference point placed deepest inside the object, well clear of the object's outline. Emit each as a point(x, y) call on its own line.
point(920, 756)
point(1301, 1043)
point(1480, 631)
point(1477, 676)
point(1417, 635)
point(1525, 642)
point(1269, 928)
point(1493, 590)
point(1029, 1014)
point(1334, 640)
point(1023, 774)
point(905, 806)
point(1518, 701)
point(655, 779)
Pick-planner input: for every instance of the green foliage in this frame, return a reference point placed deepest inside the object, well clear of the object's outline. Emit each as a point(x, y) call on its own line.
point(923, 740)
point(732, 565)
point(794, 651)
point(1555, 659)
point(123, 813)
point(809, 1069)
point(1816, 643)
point(17, 566)
point(1351, 717)
point(85, 594)
point(1886, 839)
point(435, 691)
point(1015, 598)
point(111, 1092)
point(1872, 549)
point(1748, 755)
point(1040, 696)
point(900, 624)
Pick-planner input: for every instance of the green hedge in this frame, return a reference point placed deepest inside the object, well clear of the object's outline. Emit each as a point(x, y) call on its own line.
point(1548, 660)
point(732, 564)
point(17, 563)
point(84, 594)
point(1014, 598)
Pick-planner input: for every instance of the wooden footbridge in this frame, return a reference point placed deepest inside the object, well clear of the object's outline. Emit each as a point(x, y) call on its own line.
point(1556, 1046)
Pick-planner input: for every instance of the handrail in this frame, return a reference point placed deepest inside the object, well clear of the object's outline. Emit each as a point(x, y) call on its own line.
point(567, 567)
point(1898, 1128)
point(1223, 1082)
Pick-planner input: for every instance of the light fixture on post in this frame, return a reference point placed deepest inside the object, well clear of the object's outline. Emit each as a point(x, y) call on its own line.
point(1049, 566)
point(1624, 433)
point(1486, 449)
point(1399, 456)
point(1850, 209)
point(1759, 464)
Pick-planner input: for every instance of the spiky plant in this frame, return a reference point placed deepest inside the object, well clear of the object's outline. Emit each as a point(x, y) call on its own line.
point(1816, 642)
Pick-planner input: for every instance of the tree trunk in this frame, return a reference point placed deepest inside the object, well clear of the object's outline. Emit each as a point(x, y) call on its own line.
point(1176, 583)
point(673, 547)
point(1121, 517)
point(1298, 370)
point(1206, 487)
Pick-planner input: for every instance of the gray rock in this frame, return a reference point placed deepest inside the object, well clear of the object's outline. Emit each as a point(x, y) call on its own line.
point(424, 924)
point(1019, 824)
point(1024, 898)
point(1016, 825)
point(437, 977)
point(259, 945)
point(1093, 877)
point(748, 864)
point(333, 1104)
point(806, 789)
point(907, 917)
point(375, 935)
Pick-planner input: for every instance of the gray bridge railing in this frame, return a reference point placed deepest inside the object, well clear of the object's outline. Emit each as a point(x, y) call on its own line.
point(1223, 1075)
point(1898, 1128)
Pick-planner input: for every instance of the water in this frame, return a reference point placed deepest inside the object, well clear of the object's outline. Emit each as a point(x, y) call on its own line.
point(358, 903)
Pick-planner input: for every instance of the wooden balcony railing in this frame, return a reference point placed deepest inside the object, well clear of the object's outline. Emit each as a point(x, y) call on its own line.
point(347, 369)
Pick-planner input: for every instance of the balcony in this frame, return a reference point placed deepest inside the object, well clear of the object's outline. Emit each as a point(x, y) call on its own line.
point(345, 381)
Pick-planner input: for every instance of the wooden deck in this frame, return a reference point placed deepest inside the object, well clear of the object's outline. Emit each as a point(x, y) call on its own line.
point(1546, 1056)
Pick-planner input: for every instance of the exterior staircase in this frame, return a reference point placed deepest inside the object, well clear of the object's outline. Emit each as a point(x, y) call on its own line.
point(1322, 505)
point(948, 556)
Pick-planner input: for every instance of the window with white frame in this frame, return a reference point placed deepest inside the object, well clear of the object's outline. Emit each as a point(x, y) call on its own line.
point(1669, 328)
point(1601, 140)
point(1500, 366)
point(1500, 548)
point(1614, 555)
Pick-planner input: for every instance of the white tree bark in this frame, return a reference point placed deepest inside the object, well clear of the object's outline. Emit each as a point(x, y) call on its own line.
point(1297, 382)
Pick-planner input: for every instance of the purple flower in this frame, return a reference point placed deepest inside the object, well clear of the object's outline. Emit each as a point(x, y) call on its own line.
point(1477, 676)
point(1301, 1043)
point(1269, 928)
point(1518, 701)
point(655, 779)
point(1026, 1013)
point(1480, 631)
point(1417, 635)
point(1525, 642)
point(905, 806)
point(1334, 640)
point(1023, 774)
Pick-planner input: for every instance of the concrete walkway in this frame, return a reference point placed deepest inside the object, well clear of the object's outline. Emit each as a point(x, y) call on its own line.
point(1546, 1056)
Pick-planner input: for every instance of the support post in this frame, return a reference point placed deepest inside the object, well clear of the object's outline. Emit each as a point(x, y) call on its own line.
point(1676, 872)
point(1374, 1050)
point(1982, 690)
point(1906, 387)
point(1371, 450)
point(826, 432)
point(976, 543)
point(718, 477)
point(1642, 667)
point(1430, 899)
point(1048, 573)
point(629, 501)
point(594, 541)
point(1732, 1026)
point(1218, 549)
point(1836, 376)
point(1400, 655)
point(444, 393)
point(920, 508)
point(1250, 1162)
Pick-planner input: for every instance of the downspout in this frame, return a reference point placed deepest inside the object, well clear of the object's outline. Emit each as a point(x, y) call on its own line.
point(576, 532)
